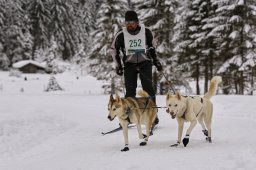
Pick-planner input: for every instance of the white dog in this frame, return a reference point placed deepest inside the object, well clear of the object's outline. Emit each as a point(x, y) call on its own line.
point(193, 109)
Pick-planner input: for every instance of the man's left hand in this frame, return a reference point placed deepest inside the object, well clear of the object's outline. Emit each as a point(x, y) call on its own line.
point(158, 65)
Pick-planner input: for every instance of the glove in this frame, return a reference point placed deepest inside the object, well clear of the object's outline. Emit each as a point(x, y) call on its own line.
point(158, 65)
point(119, 70)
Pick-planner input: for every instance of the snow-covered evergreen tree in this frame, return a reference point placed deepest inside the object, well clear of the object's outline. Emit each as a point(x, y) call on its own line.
point(187, 29)
point(61, 27)
point(4, 60)
point(40, 17)
point(110, 16)
point(204, 41)
point(242, 43)
point(53, 85)
point(15, 36)
point(53, 56)
point(80, 59)
point(196, 47)
point(159, 17)
point(27, 26)
point(1, 27)
point(83, 23)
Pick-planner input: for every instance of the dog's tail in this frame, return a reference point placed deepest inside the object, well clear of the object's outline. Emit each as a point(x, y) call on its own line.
point(143, 93)
point(213, 87)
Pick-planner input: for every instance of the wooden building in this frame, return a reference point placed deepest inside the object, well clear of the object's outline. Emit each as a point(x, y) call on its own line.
point(29, 66)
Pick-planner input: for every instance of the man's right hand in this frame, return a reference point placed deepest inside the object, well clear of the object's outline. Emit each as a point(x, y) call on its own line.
point(158, 65)
point(119, 70)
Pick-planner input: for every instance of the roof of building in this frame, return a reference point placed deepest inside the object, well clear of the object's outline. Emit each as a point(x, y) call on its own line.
point(22, 63)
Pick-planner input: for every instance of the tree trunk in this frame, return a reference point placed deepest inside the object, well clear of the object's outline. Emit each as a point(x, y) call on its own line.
point(112, 86)
point(226, 83)
point(211, 66)
point(197, 80)
point(236, 83)
point(241, 83)
point(252, 82)
point(206, 78)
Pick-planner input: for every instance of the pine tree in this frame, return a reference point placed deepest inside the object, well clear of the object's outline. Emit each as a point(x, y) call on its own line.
point(40, 17)
point(80, 59)
point(241, 16)
point(15, 35)
point(83, 23)
point(195, 42)
point(187, 48)
point(110, 16)
point(53, 56)
point(206, 47)
point(220, 34)
point(53, 85)
point(4, 60)
point(159, 17)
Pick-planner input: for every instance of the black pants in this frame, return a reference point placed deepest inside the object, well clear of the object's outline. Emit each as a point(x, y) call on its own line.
point(131, 72)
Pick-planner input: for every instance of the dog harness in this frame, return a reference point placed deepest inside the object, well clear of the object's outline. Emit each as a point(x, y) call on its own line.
point(202, 101)
point(128, 112)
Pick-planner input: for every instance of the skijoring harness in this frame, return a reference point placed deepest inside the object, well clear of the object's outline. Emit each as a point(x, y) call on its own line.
point(129, 109)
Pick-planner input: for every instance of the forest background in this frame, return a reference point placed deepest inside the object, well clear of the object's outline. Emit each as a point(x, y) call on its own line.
point(196, 39)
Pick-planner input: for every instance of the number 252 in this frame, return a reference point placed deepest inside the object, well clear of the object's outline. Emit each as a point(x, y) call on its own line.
point(135, 43)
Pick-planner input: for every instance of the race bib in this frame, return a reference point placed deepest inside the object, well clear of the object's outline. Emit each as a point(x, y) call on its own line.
point(135, 44)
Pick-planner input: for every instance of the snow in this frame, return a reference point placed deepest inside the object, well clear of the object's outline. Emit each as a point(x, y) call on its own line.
point(234, 35)
point(62, 131)
point(240, 2)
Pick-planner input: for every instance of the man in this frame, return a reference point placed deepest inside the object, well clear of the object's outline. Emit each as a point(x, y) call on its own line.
point(136, 43)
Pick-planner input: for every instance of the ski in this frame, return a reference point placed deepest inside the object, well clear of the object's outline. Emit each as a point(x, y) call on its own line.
point(115, 130)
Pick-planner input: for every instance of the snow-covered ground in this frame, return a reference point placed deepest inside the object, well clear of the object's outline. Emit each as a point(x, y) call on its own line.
point(62, 131)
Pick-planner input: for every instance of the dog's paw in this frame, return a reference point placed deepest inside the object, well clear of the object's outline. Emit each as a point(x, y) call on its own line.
point(205, 132)
point(125, 149)
point(143, 143)
point(209, 139)
point(185, 140)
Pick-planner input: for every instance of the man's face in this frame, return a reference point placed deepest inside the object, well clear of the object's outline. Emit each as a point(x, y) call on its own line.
point(131, 25)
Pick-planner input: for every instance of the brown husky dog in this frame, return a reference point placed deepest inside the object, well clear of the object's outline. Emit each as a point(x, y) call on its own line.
point(133, 110)
point(193, 109)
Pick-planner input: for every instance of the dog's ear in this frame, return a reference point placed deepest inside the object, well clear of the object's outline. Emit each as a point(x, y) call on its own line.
point(111, 98)
point(168, 96)
point(118, 99)
point(178, 95)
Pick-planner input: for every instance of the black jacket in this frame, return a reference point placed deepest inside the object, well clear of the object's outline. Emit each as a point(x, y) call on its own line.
point(119, 45)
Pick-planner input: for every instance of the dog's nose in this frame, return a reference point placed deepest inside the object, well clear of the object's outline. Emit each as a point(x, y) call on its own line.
point(172, 114)
point(109, 117)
